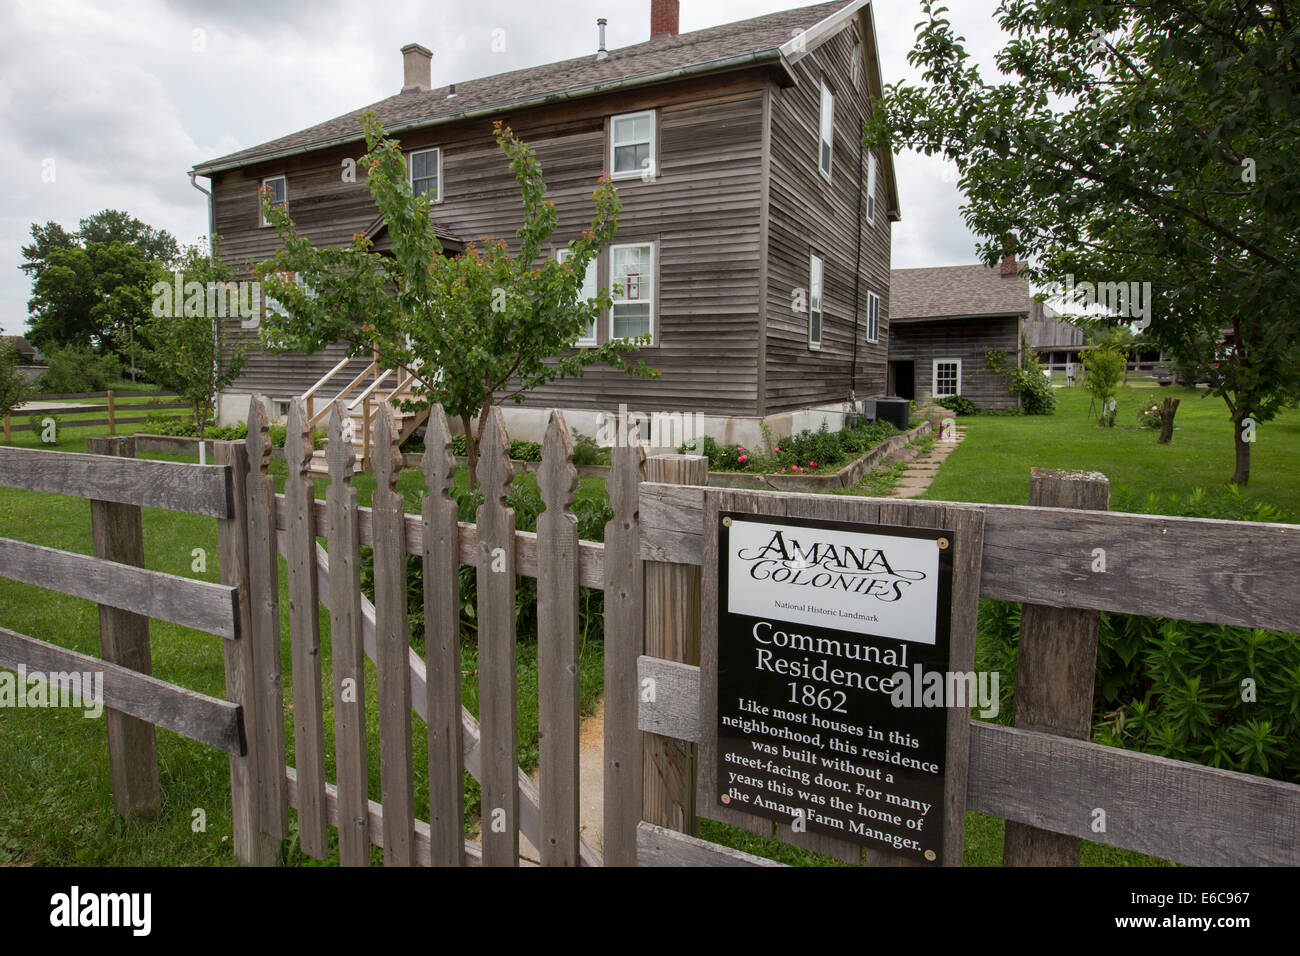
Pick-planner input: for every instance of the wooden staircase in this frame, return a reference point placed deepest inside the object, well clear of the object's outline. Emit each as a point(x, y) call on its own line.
point(359, 401)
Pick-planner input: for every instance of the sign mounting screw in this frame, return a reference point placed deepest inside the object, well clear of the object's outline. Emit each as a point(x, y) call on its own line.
point(930, 855)
point(943, 544)
point(726, 797)
point(726, 522)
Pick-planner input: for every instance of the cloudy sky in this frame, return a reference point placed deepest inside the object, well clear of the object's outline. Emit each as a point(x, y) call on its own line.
point(107, 105)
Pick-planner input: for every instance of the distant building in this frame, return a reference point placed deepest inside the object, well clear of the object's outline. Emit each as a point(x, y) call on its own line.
point(945, 320)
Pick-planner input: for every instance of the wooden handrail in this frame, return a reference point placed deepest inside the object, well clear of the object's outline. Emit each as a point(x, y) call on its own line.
point(329, 375)
point(324, 412)
point(369, 389)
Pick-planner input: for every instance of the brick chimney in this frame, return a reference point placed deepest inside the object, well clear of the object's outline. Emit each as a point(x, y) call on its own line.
point(417, 68)
point(664, 17)
point(1009, 266)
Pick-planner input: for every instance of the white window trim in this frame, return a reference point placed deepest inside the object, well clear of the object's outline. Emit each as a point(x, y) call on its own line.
point(871, 189)
point(270, 179)
point(813, 261)
point(934, 376)
point(821, 122)
point(654, 157)
point(594, 339)
point(410, 169)
point(654, 297)
point(873, 318)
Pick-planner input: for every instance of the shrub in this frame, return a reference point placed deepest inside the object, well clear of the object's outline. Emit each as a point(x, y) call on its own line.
point(1029, 381)
point(958, 405)
point(525, 450)
point(587, 451)
point(1174, 688)
point(277, 434)
point(15, 390)
point(76, 368)
point(1148, 416)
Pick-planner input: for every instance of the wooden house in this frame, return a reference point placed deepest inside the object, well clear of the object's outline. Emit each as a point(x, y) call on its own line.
point(945, 320)
point(755, 225)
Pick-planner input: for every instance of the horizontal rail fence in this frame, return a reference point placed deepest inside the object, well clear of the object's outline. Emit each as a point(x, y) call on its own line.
point(1233, 573)
point(118, 486)
point(290, 524)
point(110, 409)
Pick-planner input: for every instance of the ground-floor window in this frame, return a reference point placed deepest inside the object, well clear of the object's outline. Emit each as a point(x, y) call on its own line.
point(947, 377)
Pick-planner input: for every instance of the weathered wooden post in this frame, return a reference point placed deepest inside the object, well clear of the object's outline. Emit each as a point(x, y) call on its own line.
point(124, 639)
point(1056, 667)
point(624, 643)
point(253, 845)
point(672, 632)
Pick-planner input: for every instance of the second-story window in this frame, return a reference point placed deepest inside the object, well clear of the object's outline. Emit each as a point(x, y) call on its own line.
point(425, 170)
point(871, 189)
point(632, 269)
point(588, 291)
point(278, 187)
point(873, 317)
point(826, 134)
point(632, 145)
point(816, 276)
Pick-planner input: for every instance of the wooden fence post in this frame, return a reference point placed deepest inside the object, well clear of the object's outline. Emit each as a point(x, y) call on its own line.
point(253, 845)
point(112, 418)
point(672, 632)
point(124, 639)
point(624, 643)
point(1056, 666)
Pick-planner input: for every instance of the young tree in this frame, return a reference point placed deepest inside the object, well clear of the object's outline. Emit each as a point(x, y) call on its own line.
point(488, 323)
point(15, 389)
point(187, 349)
point(1136, 140)
point(1104, 370)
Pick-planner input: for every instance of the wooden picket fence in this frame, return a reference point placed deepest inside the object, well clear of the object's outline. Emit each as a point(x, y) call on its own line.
point(1042, 775)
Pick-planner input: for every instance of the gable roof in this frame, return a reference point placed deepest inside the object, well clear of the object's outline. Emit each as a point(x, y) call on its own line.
point(951, 292)
point(765, 39)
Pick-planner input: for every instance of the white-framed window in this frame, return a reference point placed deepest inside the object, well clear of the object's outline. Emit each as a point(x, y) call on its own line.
point(856, 69)
point(947, 377)
point(873, 317)
point(871, 189)
point(816, 277)
point(632, 145)
point(280, 408)
point(588, 292)
point(278, 186)
point(826, 132)
point(424, 170)
point(632, 269)
point(272, 304)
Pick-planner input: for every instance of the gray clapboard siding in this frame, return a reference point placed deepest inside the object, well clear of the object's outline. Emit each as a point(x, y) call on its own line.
point(198, 604)
point(1200, 816)
point(969, 340)
point(442, 646)
point(348, 657)
point(216, 723)
point(498, 677)
point(557, 648)
point(304, 636)
point(197, 489)
point(624, 643)
point(392, 650)
point(1191, 569)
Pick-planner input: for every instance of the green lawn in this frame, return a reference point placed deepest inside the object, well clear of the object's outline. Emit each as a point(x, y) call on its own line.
point(992, 465)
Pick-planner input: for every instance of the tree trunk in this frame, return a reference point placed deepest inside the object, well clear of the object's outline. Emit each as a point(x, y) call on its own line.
point(1242, 475)
point(1167, 411)
point(471, 450)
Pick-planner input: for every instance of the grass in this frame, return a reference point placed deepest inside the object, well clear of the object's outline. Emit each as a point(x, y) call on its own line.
point(993, 464)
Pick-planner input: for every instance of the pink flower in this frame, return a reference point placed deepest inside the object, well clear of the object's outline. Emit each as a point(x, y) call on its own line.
point(795, 467)
point(743, 458)
point(812, 464)
point(778, 447)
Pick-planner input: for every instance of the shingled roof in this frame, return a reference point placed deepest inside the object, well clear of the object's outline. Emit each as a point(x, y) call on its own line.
point(951, 292)
point(717, 48)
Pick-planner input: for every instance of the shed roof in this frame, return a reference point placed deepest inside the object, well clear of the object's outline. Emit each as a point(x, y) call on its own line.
point(951, 292)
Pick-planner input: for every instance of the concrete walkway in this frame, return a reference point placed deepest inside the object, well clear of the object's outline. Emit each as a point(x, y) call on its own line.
point(921, 471)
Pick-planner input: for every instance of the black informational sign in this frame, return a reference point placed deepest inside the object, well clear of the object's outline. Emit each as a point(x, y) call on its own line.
point(827, 631)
